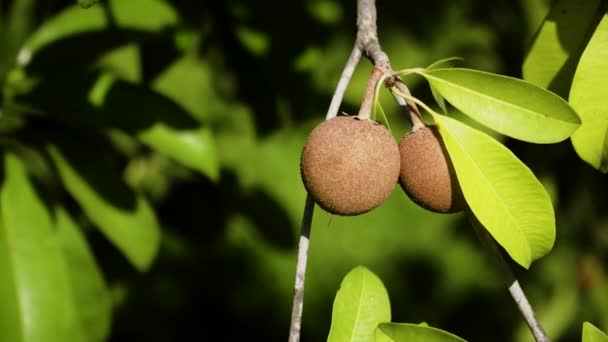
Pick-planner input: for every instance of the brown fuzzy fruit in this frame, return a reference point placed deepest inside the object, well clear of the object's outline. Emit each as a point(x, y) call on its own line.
point(427, 176)
point(349, 166)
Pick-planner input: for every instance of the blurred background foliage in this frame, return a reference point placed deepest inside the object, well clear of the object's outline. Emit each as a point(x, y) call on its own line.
point(161, 140)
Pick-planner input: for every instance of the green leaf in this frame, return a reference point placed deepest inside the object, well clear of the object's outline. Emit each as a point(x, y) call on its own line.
point(507, 105)
point(360, 305)
point(125, 217)
point(403, 332)
point(501, 191)
point(91, 296)
point(163, 125)
point(593, 334)
point(558, 44)
point(588, 97)
point(439, 99)
point(193, 148)
point(34, 289)
point(95, 30)
point(445, 62)
point(100, 101)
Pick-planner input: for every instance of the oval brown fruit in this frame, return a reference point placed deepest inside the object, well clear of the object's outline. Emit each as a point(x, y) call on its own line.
point(427, 176)
point(349, 166)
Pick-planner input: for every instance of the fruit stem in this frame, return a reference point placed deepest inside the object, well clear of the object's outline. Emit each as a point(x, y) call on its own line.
point(509, 279)
point(408, 105)
point(365, 111)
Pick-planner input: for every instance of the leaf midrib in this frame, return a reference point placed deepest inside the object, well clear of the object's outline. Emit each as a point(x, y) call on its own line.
point(485, 179)
point(352, 335)
point(503, 102)
point(14, 265)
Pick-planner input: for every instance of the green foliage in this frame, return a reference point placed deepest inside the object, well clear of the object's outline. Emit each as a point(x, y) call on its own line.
point(507, 105)
point(588, 97)
point(124, 216)
point(93, 30)
point(91, 296)
point(593, 334)
point(361, 312)
point(568, 57)
point(360, 305)
point(31, 263)
point(404, 332)
point(558, 44)
point(501, 191)
point(192, 115)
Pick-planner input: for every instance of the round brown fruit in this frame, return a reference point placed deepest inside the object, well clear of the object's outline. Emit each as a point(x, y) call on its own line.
point(427, 175)
point(349, 166)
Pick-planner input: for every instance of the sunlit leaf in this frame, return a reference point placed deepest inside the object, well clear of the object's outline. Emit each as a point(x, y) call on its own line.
point(558, 44)
point(443, 63)
point(360, 305)
point(34, 288)
point(91, 296)
point(588, 97)
point(439, 99)
point(502, 192)
point(593, 334)
point(125, 217)
point(403, 332)
point(507, 105)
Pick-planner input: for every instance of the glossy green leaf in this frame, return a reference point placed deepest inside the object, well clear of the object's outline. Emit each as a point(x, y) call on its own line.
point(439, 100)
point(91, 296)
point(501, 191)
point(558, 44)
point(403, 332)
point(588, 97)
point(507, 105)
point(593, 334)
point(360, 305)
point(125, 217)
point(34, 289)
point(93, 31)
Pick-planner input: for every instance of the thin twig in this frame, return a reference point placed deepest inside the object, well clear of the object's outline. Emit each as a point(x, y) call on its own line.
point(510, 281)
point(298, 290)
point(365, 110)
point(347, 73)
point(302, 258)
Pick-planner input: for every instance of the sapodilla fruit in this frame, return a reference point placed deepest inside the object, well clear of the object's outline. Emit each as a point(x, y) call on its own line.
point(427, 175)
point(349, 165)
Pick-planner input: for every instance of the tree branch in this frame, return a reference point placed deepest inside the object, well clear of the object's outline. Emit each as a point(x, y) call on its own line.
point(367, 35)
point(509, 279)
